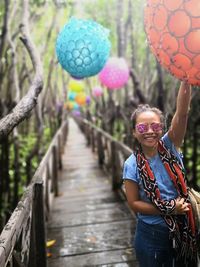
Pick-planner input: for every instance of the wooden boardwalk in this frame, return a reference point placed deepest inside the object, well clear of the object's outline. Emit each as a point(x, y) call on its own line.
point(91, 224)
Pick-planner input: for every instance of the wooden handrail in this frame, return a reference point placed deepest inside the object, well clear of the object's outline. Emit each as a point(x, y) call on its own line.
point(111, 153)
point(23, 239)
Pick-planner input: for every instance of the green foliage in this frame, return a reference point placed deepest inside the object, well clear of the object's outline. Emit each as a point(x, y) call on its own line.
point(118, 130)
point(47, 137)
point(26, 144)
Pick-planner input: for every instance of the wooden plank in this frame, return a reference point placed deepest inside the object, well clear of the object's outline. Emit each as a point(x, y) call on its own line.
point(111, 214)
point(98, 202)
point(117, 258)
point(92, 238)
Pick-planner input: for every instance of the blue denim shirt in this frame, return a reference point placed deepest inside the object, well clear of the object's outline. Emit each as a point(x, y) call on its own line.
point(165, 184)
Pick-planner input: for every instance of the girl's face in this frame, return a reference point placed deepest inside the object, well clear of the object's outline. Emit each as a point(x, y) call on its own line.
point(148, 129)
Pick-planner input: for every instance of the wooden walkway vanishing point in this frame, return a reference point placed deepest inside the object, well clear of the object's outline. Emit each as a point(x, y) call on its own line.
point(91, 223)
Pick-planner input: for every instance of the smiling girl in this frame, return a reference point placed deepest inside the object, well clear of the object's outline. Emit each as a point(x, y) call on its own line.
point(156, 188)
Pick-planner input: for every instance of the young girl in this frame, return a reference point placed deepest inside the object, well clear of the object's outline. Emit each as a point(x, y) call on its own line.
point(156, 188)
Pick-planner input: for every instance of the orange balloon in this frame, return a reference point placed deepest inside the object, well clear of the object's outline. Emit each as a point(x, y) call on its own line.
point(173, 34)
point(173, 5)
point(192, 41)
point(80, 99)
point(155, 37)
point(180, 74)
point(195, 22)
point(182, 28)
point(160, 18)
point(182, 48)
point(70, 105)
point(193, 7)
point(169, 43)
point(182, 62)
point(196, 62)
point(164, 58)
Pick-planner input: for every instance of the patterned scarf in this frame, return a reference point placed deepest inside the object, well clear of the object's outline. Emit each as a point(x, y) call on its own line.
point(181, 227)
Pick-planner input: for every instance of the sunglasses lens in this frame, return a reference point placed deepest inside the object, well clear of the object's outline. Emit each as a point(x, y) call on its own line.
point(156, 127)
point(142, 128)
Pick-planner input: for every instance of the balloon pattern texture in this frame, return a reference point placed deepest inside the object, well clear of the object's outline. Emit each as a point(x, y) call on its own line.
point(173, 33)
point(83, 47)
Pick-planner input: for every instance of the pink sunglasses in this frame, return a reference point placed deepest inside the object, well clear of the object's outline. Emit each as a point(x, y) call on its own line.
point(144, 127)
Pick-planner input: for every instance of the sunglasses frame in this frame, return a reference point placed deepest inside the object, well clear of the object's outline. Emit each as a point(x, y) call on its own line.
point(144, 127)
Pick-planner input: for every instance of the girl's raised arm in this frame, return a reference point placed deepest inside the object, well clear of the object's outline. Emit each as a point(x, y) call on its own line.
point(179, 122)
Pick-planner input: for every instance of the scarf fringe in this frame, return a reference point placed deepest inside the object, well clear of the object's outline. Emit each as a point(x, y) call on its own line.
point(184, 250)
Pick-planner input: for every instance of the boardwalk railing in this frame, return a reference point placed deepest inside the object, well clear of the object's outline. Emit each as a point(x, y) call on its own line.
point(23, 239)
point(111, 153)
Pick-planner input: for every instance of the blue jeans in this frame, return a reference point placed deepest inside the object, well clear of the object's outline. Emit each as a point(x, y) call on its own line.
point(152, 245)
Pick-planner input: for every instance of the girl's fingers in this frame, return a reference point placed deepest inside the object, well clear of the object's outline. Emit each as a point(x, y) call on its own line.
point(185, 205)
point(182, 200)
point(182, 206)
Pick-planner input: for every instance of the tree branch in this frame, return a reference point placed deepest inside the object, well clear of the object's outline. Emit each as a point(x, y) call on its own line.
point(28, 102)
point(137, 88)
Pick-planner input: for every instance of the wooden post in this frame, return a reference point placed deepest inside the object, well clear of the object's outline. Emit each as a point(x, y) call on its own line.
point(113, 164)
point(40, 226)
point(100, 150)
point(47, 191)
point(37, 256)
point(87, 133)
point(65, 131)
point(55, 170)
point(92, 139)
point(60, 144)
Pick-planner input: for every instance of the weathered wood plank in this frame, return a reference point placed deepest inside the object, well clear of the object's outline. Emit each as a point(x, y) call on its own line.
point(117, 258)
point(111, 214)
point(87, 204)
point(91, 238)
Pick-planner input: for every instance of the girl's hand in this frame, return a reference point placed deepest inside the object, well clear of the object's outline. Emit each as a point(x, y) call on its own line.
point(181, 206)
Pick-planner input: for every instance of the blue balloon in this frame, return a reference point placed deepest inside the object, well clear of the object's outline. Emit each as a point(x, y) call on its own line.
point(83, 47)
point(76, 106)
point(71, 96)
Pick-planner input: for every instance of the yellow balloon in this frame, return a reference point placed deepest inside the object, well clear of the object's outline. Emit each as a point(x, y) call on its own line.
point(76, 86)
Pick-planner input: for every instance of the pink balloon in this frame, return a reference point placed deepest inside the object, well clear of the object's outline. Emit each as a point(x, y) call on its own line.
point(97, 91)
point(115, 73)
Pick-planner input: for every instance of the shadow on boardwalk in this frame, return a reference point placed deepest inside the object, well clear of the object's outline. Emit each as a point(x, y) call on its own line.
point(91, 224)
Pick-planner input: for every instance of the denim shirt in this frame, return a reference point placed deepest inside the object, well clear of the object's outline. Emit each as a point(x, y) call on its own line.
point(164, 182)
